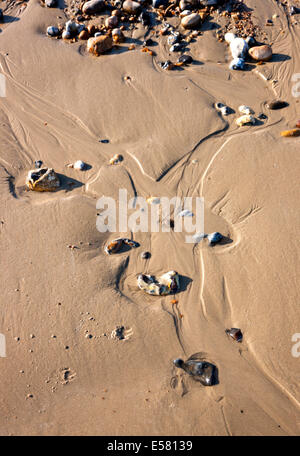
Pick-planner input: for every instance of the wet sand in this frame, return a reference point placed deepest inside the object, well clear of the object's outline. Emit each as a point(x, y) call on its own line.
point(59, 103)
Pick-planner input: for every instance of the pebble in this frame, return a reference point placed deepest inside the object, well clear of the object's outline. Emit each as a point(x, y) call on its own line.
point(167, 65)
point(177, 47)
point(245, 120)
point(145, 255)
point(214, 238)
point(191, 21)
point(42, 180)
point(51, 3)
point(116, 159)
point(201, 370)
point(225, 111)
point(277, 104)
point(261, 115)
point(53, 31)
point(185, 59)
point(111, 22)
point(237, 64)
point(238, 46)
point(100, 44)
point(261, 53)
point(72, 28)
point(79, 165)
point(84, 35)
point(175, 37)
point(235, 333)
point(93, 7)
point(117, 35)
point(245, 110)
point(131, 7)
point(38, 163)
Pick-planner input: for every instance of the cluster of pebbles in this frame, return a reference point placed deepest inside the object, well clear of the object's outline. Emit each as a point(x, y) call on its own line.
point(104, 24)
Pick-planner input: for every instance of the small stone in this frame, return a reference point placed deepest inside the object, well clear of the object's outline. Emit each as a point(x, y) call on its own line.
point(42, 180)
point(167, 65)
point(88, 336)
point(175, 37)
point(38, 164)
point(177, 47)
point(245, 120)
point(245, 110)
point(214, 238)
point(116, 159)
point(100, 44)
point(191, 21)
point(53, 31)
point(117, 35)
point(93, 7)
point(79, 164)
point(145, 255)
point(185, 59)
point(29, 396)
point(261, 53)
point(262, 116)
point(72, 28)
point(111, 22)
point(84, 35)
point(237, 64)
point(51, 3)
point(235, 333)
point(131, 7)
point(32, 336)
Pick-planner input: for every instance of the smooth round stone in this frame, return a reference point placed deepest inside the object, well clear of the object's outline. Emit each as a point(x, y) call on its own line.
point(111, 22)
point(52, 31)
point(100, 44)
point(93, 7)
point(191, 21)
point(131, 7)
point(261, 53)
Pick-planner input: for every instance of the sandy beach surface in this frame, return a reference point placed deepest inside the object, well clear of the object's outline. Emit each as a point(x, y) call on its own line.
point(62, 296)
